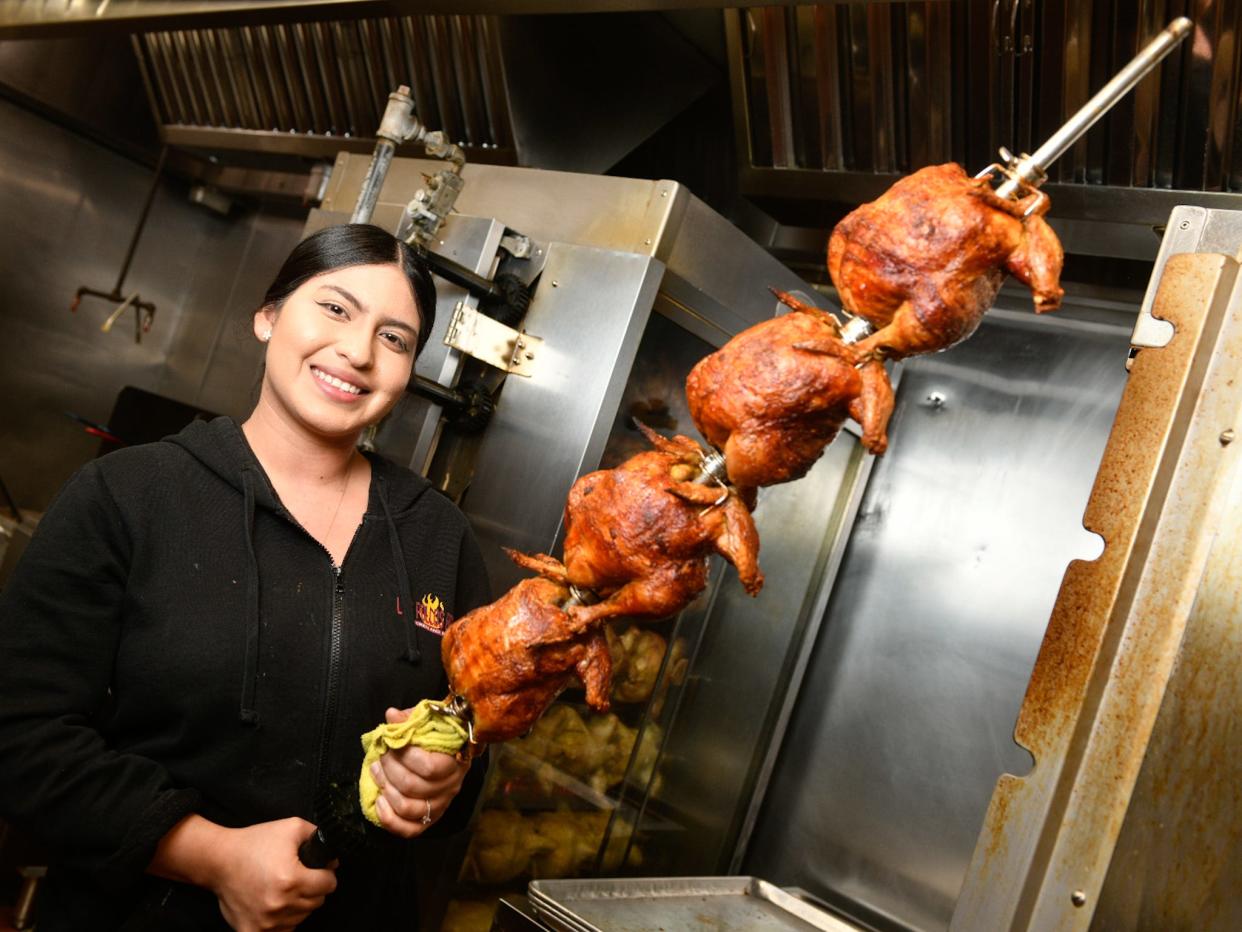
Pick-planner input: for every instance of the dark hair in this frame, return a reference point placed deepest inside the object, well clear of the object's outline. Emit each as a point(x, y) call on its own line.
point(338, 247)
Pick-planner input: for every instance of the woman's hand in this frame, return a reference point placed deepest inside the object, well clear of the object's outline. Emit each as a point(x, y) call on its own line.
point(416, 786)
point(254, 872)
point(264, 885)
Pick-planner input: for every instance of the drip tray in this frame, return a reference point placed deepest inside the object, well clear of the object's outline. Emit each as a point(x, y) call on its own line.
point(674, 904)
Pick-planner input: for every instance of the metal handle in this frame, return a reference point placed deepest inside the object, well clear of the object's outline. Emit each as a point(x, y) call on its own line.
point(1029, 169)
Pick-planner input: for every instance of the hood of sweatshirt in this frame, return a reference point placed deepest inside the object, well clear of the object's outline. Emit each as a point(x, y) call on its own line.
point(221, 446)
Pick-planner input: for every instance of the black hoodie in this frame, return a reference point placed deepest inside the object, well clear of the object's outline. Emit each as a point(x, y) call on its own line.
point(174, 642)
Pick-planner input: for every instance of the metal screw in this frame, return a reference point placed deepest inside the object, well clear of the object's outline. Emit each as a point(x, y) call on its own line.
point(1226, 437)
point(1078, 898)
point(663, 194)
point(521, 345)
point(1184, 225)
point(935, 399)
point(555, 283)
point(530, 356)
point(647, 242)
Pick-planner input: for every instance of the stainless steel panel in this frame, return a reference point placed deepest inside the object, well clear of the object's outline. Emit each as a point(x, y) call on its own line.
point(830, 108)
point(705, 254)
point(551, 428)
point(1190, 229)
point(72, 205)
point(906, 714)
point(1168, 569)
point(22, 18)
point(1175, 865)
point(468, 241)
point(314, 88)
point(775, 76)
point(1104, 662)
point(748, 655)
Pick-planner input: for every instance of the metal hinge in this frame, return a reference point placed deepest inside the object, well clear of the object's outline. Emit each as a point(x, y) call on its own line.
point(516, 244)
point(490, 341)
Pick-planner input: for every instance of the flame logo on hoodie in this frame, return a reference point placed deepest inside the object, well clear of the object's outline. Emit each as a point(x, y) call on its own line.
point(431, 614)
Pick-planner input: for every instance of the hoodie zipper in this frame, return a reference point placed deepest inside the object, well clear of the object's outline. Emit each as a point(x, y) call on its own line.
point(334, 674)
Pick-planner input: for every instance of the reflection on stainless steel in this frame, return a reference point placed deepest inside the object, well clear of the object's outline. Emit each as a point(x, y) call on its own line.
point(751, 650)
point(905, 717)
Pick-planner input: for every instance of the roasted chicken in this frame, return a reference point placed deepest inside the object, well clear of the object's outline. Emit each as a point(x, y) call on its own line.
point(511, 658)
point(639, 535)
point(924, 261)
point(773, 397)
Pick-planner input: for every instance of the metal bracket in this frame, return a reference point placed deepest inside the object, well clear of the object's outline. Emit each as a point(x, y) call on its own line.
point(490, 341)
point(517, 244)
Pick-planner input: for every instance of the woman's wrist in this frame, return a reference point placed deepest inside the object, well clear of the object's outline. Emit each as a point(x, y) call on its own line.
point(191, 852)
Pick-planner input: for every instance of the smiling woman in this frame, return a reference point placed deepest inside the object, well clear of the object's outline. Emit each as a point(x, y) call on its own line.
point(203, 627)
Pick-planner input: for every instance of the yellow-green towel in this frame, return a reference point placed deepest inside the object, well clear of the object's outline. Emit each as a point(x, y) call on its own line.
point(425, 728)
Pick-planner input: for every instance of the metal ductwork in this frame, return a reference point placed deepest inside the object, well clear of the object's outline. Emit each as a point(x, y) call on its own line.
point(267, 85)
point(557, 92)
point(832, 100)
point(315, 88)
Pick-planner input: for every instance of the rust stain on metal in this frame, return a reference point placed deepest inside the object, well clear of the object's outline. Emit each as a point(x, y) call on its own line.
point(998, 814)
point(1184, 825)
point(1115, 509)
point(1090, 589)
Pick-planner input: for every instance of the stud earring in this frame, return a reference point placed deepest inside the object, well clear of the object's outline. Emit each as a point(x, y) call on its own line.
point(267, 334)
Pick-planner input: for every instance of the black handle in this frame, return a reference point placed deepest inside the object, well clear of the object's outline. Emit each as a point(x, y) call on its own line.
point(506, 298)
point(315, 852)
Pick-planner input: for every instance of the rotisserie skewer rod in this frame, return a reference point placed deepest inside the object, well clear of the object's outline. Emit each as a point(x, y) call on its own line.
point(1029, 170)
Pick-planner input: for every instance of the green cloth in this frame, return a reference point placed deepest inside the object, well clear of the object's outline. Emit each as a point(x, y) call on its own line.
point(424, 728)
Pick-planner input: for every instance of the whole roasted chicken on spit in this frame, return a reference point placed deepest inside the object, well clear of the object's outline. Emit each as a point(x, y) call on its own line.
point(638, 536)
point(774, 397)
point(511, 658)
point(923, 262)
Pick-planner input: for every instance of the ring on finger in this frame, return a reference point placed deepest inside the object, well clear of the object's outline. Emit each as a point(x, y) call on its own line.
point(427, 814)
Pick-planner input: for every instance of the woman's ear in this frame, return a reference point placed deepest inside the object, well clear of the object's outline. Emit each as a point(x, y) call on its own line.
point(264, 320)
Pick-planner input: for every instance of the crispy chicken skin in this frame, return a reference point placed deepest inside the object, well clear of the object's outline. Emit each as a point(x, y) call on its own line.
point(773, 397)
point(511, 658)
point(924, 261)
point(640, 534)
